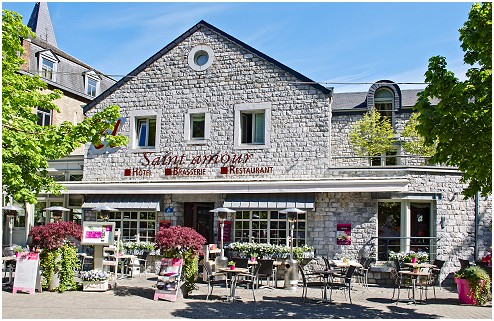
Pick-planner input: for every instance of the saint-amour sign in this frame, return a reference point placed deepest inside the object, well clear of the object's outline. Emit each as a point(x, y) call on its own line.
point(196, 165)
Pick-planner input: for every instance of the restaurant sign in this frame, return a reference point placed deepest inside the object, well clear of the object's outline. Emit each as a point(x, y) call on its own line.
point(343, 234)
point(195, 165)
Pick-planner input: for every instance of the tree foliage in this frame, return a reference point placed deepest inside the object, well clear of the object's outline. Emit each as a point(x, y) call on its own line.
point(413, 142)
point(372, 135)
point(26, 146)
point(461, 122)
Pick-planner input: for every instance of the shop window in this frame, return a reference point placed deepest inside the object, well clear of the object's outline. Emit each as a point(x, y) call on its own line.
point(268, 227)
point(252, 125)
point(44, 117)
point(197, 126)
point(404, 226)
point(135, 224)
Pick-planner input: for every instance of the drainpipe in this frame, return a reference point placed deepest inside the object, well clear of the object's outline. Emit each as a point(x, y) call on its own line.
point(330, 99)
point(476, 248)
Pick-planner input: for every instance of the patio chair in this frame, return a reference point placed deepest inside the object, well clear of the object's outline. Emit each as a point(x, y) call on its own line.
point(424, 284)
point(142, 259)
point(241, 262)
point(308, 281)
point(437, 270)
point(211, 278)
point(249, 280)
point(342, 282)
point(399, 280)
point(266, 270)
point(362, 272)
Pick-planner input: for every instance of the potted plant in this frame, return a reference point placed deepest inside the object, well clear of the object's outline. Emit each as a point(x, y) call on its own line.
point(231, 264)
point(473, 285)
point(58, 258)
point(183, 243)
point(94, 280)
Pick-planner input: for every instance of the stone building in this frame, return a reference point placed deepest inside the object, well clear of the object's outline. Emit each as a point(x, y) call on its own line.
point(80, 83)
point(213, 122)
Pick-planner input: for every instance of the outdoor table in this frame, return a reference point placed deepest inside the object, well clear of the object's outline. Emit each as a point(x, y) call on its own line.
point(326, 274)
point(414, 276)
point(420, 265)
point(341, 264)
point(231, 276)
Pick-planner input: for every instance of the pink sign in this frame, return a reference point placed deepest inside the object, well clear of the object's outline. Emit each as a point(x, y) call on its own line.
point(93, 234)
point(343, 234)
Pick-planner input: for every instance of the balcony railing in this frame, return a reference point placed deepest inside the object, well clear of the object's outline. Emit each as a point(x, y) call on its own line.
point(406, 244)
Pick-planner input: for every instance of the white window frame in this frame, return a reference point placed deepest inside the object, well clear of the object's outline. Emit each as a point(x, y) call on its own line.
point(385, 101)
point(135, 116)
point(49, 56)
point(241, 109)
point(44, 113)
point(188, 126)
point(92, 76)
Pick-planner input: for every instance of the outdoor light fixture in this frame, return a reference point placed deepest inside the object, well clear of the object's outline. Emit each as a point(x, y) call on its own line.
point(291, 216)
point(222, 261)
point(57, 210)
point(11, 212)
point(443, 222)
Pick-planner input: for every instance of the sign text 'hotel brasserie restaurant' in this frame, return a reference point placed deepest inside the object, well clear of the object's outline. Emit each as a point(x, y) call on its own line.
point(195, 165)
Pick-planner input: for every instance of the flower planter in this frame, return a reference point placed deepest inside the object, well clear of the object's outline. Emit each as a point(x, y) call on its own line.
point(232, 267)
point(464, 292)
point(95, 286)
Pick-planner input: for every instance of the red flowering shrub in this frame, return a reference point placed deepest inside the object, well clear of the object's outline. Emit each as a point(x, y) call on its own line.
point(178, 239)
point(54, 235)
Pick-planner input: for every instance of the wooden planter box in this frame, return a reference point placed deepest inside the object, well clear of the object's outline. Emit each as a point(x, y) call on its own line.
point(95, 286)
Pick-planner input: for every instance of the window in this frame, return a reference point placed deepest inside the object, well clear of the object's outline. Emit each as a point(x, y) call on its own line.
point(197, 126)
point(91, 83)
point(387, 159)
point(383, 101)
point(404, 226)
point(252, 125)
point(200, 57)
point(136, 223)
point(44, 117)
point(146, 132)
point(268, 227)
point(47, 68)
point(47, 65)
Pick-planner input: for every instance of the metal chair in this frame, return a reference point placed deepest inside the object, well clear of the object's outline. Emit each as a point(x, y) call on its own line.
point(362, 272)
point(308, 283)
point(342, 282)
point(143, 262)
point(211, 278)
point(266, 270)
point(399, 281)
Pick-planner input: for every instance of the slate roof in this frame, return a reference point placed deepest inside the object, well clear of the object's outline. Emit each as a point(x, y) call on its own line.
point(170, 46)
point(354, 100)
point(40, 23)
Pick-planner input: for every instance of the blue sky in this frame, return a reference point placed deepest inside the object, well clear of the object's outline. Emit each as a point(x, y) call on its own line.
point(329, 42)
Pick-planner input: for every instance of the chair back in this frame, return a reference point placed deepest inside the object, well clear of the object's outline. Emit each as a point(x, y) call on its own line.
point(241, 262)
point(302, 274)
point(363, 260)
point(439, 263)
point(464, 264)
point(144, 255)
point(349, 273)
point(265, 267)
point(397, 264)
point(208, 269)
point(326, 263)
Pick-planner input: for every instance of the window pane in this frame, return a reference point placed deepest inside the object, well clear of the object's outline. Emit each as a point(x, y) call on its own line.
point(142, 132)
point(246, 128)
point(388, 225)
point(259, 129)
point(152, 133)
point(198, 125)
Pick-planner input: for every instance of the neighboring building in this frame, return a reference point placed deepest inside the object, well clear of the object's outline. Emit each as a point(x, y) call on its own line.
point(79, 82)
point(213, 122)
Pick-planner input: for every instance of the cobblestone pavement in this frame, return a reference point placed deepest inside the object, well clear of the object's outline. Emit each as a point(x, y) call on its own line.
point(133, 299)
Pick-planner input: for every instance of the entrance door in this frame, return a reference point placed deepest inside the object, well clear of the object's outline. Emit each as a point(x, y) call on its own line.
point(420, 226)
point(197, 216)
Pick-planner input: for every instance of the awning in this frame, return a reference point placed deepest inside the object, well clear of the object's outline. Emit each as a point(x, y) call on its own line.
point(270, 201)
point(124, 202)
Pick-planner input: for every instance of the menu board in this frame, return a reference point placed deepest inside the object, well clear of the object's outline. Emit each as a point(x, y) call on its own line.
point(26, 273)
point(227, 231)
point(343, 234)
point(98, 233)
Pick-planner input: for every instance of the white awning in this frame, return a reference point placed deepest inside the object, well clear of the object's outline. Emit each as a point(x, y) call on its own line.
point(124, 202)
point(270, 201)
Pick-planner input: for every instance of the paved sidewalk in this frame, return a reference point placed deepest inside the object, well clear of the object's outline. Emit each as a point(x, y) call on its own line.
point(133, 299)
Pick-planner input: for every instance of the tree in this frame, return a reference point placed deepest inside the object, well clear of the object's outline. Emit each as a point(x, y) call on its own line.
point(26, 146)
point(372, 135)
point(414, 143)
point(461, 122)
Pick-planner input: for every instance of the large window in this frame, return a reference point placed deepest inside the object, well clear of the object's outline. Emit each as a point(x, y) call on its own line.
point(44, 117)
point(383, 101)
point(133, 224)
point(268, 227)
point(252, 125)
point(404, 226)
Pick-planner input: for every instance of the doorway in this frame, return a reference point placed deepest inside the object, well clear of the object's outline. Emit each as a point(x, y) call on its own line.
point(198, 217)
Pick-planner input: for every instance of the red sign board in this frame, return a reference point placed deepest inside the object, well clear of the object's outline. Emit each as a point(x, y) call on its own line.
point(343, 234)
point(227, 231)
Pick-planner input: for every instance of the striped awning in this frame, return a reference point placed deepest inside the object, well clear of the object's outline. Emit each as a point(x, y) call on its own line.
point(124, 202)
point(270, 201)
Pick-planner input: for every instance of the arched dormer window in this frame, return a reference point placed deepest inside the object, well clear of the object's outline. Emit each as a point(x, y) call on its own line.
point(383, 102)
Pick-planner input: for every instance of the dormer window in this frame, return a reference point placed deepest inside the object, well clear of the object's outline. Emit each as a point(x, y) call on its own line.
point(92, 84)
point(47, 65)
